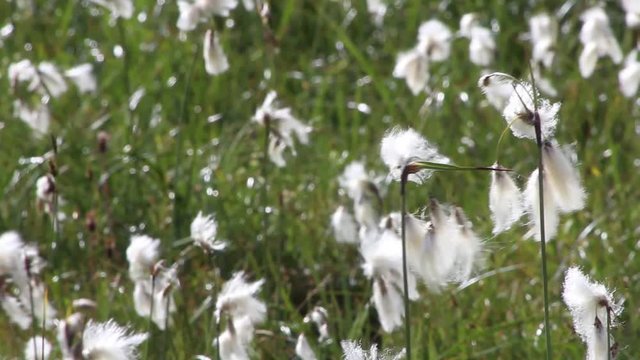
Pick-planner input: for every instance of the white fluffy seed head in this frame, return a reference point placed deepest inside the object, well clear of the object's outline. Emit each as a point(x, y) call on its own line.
point(204, 232)
point(344, 226)
point(303, 349)
point(401, 147)
point(143, 253)
point(237, 299)
point(413, 66)
point(111, 341)
point(505, 201)
point(519, 113)
point(215, 60)
point(563, 177)
point(37, 348)
point(532, 205)
point(590, 303)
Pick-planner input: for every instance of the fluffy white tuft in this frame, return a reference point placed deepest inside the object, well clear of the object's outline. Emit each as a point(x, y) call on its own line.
point(215, 61)
point(520, 109)
point(142, 254)
point(401, 147)
point(37, 348)
point(110, 341)
point(590, 303)
point(563, 177)
point(505, 201)
point(204, 232)
point(303, 349)
point(532, 205)
point(237, 299)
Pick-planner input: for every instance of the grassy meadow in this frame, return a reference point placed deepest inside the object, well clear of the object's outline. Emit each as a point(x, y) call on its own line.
point(149, 165)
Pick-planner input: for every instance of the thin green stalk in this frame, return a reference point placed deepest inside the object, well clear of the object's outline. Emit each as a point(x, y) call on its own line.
point(34, 325)
point(179, 140)
point(407, 318)
point(44, 319)
point(213, 323)
point(265, 186)
point(150, 327)
point(166, 325)
point(608, 333)
point(543, 242)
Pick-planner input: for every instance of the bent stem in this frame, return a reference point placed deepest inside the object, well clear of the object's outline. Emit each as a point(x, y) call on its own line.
point(407, 322)
point(543, 244)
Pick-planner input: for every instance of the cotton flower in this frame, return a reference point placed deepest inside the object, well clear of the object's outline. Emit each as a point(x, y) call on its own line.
point(283, 127)
point(44, 78)
point(69, 335)
point(383, 265)
point(629, 76)
point(45, 188)
point(357, 182)
point(166, 283)
point(543, 32)
point(111, 341)
point(598, 40)
point(444, 250)
point(319, 316)
point(22, 71)
point(23, 264)
point(190, 14)
point(344, 226)
point(82, 76)
point(142, 254)
point(377, 9)
point(505, 201)
point(498, 88)
point(563, 177)
point(38, 118)
point(50, 79)
point(400, 148)
point(413, 66)
point(42, 309)
point(482, 45)
point(37, 348)
point(591, 304)
point(434, 39)
point(204, 232)
point(234, 341)
point(118, 8)
point(532, 205)
point(632, 10)
point(434, 44)
point(303, 349)
point(11, 245)
point(237, 299)
point(17, 312)
point(519, 113)
point(215, 61)
point(193, 12)
point(354, 351)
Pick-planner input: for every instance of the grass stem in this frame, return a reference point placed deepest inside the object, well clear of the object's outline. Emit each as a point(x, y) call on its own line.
point(150, 326)
point(543, 242)
point(407, 318)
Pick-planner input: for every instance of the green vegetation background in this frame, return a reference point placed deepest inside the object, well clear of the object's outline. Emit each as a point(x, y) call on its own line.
point(328, 58)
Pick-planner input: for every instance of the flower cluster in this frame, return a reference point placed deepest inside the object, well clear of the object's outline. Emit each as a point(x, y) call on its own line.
point(20, 267)
point(243, 312)
point(154, 284)
point(434, 45)
point(563, 191)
